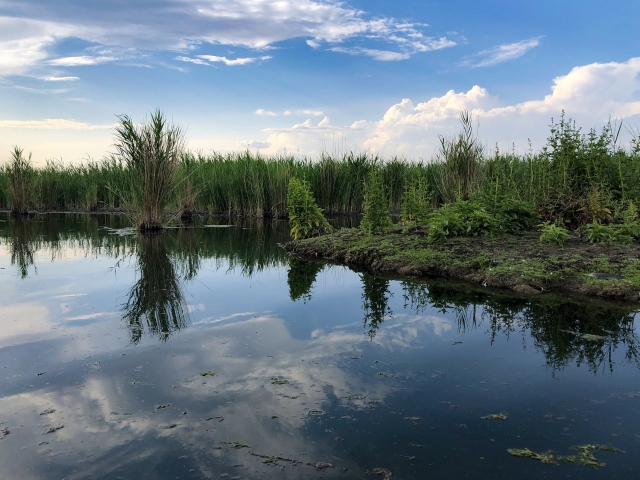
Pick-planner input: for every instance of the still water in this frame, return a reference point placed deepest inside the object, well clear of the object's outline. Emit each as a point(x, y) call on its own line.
point(209, 353)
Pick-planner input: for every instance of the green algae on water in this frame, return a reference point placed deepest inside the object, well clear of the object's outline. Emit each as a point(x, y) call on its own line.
point(495, 416)
point(278, 381)
point(584, 457)
point(208, 374)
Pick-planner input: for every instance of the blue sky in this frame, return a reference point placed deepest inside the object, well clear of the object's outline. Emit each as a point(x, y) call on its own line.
point(306, 75)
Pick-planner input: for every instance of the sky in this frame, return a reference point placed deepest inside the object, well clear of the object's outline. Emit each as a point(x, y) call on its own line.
point(305, 77)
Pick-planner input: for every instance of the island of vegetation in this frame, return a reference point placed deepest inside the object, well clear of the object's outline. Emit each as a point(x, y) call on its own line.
point(564, 219)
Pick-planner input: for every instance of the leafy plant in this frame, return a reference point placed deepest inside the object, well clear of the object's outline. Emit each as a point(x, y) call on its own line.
point(552, 233)
point(515, 216)
point(305, 216)
point(376, 219)
point(463, 218)
point(596, 233)
point(416, 204)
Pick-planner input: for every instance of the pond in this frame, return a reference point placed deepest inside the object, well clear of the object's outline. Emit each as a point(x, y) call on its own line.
point(209, 353)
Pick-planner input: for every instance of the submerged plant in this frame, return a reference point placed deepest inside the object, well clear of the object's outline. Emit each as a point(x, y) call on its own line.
point(19, 173)
point(151, 152)
point(376, 219)
point(304, 214)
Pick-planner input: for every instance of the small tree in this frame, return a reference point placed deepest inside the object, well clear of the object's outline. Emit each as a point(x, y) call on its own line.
point(304, 214)
point(416, 204)
point(376, 220)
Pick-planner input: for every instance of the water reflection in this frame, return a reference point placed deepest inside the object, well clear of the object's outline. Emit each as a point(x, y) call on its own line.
point(22, 246)
point(155, 303)
point(375, 302)
point(301, 277)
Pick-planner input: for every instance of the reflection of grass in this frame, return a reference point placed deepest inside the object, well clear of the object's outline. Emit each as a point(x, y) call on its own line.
point(155, 302)
point(23, 245)
point(300, 278)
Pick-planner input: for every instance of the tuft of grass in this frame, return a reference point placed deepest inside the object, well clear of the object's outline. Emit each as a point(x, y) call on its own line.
point(152, 152)
point(19, 175)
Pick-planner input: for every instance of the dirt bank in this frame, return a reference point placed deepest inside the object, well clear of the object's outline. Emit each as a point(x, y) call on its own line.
point(520, 263)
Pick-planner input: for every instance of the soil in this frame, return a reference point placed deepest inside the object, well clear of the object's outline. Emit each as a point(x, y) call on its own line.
point(520, 263)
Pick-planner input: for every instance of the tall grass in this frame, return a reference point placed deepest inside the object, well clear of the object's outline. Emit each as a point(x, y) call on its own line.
point(151, 151)
point(19, 175)
point(561, 180)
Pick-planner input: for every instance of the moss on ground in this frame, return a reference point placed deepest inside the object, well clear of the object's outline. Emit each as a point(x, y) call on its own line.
point(518, 262)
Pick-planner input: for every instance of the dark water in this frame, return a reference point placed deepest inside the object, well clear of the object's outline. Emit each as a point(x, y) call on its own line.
point(105, 337)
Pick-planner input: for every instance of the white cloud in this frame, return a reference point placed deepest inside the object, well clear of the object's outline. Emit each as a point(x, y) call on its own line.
point(52, 124)
point(382, 55)
point(258, 145)
point(60, 79)
point(262, 111)
point(80, 61)
point(591, 94)
point(235, 62)
point(501, 53)
point(179, 25)
point(197, 61)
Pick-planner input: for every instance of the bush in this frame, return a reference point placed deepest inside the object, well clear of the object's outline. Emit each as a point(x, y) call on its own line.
point(623, 233)
point(463, 218)
point(515, 216)
point(552, 233)
point(305, 216)
point(416, 204)
point(376, 219)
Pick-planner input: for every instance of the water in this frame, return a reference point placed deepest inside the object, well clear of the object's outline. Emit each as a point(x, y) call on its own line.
point(106, 336)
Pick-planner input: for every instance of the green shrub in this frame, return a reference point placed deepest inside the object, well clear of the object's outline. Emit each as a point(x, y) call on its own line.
point(416, 202)
point(515, 216)
point(305, 216)
point(552, 233)
point(462, 218)
point(622, 233)
point(376, 219)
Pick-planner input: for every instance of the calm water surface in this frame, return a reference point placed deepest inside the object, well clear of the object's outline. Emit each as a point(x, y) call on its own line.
point(209, 353)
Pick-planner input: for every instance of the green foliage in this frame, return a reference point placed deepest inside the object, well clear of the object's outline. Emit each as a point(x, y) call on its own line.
point(416, 201)
point(621, 233)
point(152, 154)
point(464, 218)
point(376, 219)
point(20, 174)
point(515, 216)
point(304, 214)
point(552, 233)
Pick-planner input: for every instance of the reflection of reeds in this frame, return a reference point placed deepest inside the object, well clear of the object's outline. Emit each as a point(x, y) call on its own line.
point(22, 245)
point(300, 278)
point(375, 298)
point(155, 303)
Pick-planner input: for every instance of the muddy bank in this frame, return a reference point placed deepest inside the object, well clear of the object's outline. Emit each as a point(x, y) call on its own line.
point(519, 263)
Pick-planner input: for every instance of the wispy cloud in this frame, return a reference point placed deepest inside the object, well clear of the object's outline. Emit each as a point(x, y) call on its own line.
point(210, 59)
point(60, 79)
point(80, 61)
point(262, 111)
point(52, 124)
point(501, 53)
point(313, 113)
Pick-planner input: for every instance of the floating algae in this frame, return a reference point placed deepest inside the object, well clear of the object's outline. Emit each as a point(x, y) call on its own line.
point(593, 338)
point(208, 374)
point(585, 457)
point(495, 416)
point(278, 381)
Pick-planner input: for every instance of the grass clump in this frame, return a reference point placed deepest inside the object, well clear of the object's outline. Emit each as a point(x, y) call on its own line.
point(304, 214)
point(19, 175)
point(151, 152)
point(376, 219)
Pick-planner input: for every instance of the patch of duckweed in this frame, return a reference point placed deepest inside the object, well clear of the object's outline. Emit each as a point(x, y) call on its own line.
point(208, 374)
point(495, 416)
point(278, 381)
point(584, 457)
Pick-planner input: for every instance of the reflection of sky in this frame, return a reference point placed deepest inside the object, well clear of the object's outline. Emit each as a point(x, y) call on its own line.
point(345, 403)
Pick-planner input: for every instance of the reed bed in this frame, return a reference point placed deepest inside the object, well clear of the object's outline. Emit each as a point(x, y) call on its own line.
point(557, 180)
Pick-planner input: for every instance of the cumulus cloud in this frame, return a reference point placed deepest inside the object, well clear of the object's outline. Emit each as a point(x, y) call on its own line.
point(258, 145)
point(501, 53)
point(591, 94)
point(29, 28)
point(53, 124)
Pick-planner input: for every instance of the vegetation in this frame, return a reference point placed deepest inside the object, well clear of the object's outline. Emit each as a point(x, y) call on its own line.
point(376, 219)
point(151, 152)
point(305, 216)
point(19, 173)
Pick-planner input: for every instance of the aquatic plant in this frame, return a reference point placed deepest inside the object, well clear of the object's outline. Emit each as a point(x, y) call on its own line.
point(376, 219)
point(151, 151)
point(305, 217)
point(19, 176)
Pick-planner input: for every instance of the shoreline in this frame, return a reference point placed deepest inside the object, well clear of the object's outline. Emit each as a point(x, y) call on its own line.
point(519, 263)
